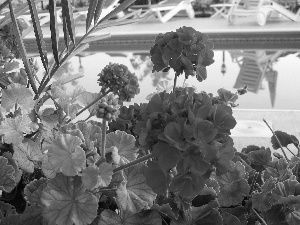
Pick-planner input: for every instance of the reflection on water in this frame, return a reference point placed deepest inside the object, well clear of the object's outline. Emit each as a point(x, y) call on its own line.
point(272, 77)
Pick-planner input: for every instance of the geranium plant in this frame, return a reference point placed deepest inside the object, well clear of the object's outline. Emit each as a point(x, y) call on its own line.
point(169, 161)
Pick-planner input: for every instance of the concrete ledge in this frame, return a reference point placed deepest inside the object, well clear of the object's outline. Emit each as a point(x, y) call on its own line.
point(139, 37)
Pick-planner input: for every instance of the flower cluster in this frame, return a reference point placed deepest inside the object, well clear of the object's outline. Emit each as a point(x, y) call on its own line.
point(107, 108)
point(185, 50)
point(118, 79)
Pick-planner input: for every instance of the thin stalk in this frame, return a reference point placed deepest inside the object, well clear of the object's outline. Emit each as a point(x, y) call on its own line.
point(261, 219)
point(133, 163)
point(93, 102)
point(103, 141)
point(277, 140)
point(175, 81)
point(290, 151)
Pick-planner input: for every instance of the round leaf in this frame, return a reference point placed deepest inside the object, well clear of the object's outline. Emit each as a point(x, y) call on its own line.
point(33, 190)
point(233, 194)
point(66, 155)
point(25, 153)
point(124, 142)
point(148, 217)
point(17, 94)
point(66, 202)
point(94, 177)
point(7, 179)
point(135, 195)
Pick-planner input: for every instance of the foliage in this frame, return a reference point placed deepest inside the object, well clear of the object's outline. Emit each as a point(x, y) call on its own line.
point(168, 161)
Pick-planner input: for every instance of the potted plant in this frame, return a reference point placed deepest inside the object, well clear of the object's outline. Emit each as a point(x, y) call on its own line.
point(168, 161)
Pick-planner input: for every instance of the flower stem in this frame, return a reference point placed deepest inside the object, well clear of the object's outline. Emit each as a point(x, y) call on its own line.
point(175, 81)
point(93, 102)
point(277, 140)
point(290, 151)
point(103, 141)
point(261, 219)
point(133, 163)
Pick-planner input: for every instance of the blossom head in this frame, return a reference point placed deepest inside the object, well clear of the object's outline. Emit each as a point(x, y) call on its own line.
point(118, 79)
point(185, 50)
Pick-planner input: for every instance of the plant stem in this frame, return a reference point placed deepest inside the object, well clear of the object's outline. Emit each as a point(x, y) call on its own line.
point(175, 81)
point(103, 141)
point(133, 163)
point(261, 219)
point(93, 102)
point(290, 151)
point(277, 140)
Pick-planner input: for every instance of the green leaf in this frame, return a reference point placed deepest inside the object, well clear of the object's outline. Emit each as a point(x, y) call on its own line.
point(17, 94)
point(166, 210)
point(6, 209)
point(207, 214)
point(32, 216)
point(47, 167)
point(33, 190)
point(284, 138)
point(9, 67)
point(133, 194)
point(67, 14)
point(227, 96)
point(94, 177)
point(49, 118)
point(155, 104)
point(98, 10)
point(195, 163)
point(66, 155)
point(204, 131)
point(168, 157)
point(13, 129)
point(124, 5)
point(223, 118)
point(90, 135)
point(229, 219)
point(283, 190)
point(260, 157)
point(91, 13)
point(12, 162)
point(86, 98)
point(264, 201)
point(146, 217)
point(221, 155)
point(38, 33)
point(188, 185)
point(233, 193)
point(275, 216)
point(66, 34)
point(11, 219)
point(26, 153)
point(236, 173)
point(293, 218)
point(66, 202)
point(7, 179)
point(156, 178)
point(21, 48)
point(125, 143)
point(54, 29)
